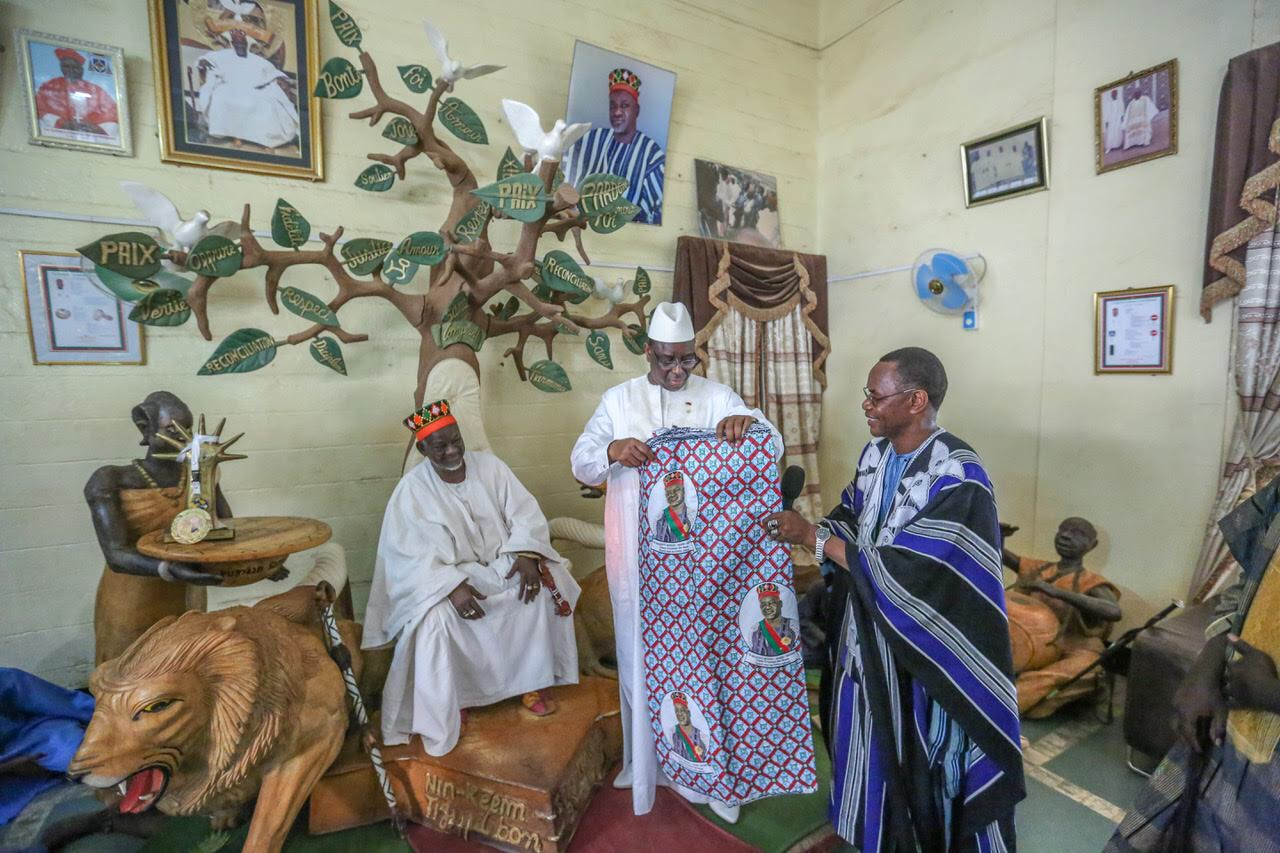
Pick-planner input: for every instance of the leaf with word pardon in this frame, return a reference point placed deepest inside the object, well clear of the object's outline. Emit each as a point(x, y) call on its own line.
point(364, 254)
point(561, 272)
point(401, 130)
point(600, 190)
point(423, 247)
point(470, 226)
point(289, 228)
point(642, 285)
point(339, 80)
point(131, 254)
point(215, 256)
point(598, 349)
point(344, 25)
point(462, 121)
point(510, 165)
point(634, 338)
point(308, 307)
point(162, 308)
point(327, 352)
point(376, 179)
point(548, 376)
point(240, 352)
point(417, 78)
point(520, 196)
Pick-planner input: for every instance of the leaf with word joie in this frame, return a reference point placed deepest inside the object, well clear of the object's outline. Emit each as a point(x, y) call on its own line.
point(417, 78)
point(634, 338)
point(162, 308)
point(131, 254)
point(458, 332)
point(344, 25)
point(598, 349)
point(339, 80)
point(642, 285)
point(470, 226)
point(240, 352)
point(462, 121)
point(520, 196)
point(308, 307)
point(613, 217)
point(327, 352)
point(215, 256)
point(548, 376)
point(561, 272)
point(510, 165)
point(289, 228)
point(364, 254)
point(401, 130)
point(376, 179)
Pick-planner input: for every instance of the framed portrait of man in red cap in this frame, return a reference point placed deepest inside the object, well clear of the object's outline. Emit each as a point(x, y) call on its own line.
point(76, 95)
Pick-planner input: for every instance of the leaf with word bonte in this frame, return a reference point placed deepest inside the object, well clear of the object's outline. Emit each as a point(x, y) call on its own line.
point(131, 254)
point(397, 270)
point(417, 78)
point(470, 226)
point(600, 190)
point(401, 130)
point(642, 285)
point(598, 349)
point(162, 308)
point(327, 352)
point(634, 338)
point(240, 352)
point(458, 332)
point(344, 25)
point(520, 196)
point(613, 217)
point(215, 256)
point(548, 376)
point(561, 272)
point(423, 247)
point(289, 228)
point(308, 307)
point(462, 121)
point(339, 80)
point(510, 164)
point(376, 179)
point(364, 254)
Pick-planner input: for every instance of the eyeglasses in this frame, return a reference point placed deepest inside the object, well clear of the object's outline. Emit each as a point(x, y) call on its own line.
point(877, 400)
point(689, 362)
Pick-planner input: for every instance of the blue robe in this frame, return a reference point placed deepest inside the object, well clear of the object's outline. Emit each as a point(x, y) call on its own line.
point(42, 723)
point(641, 161)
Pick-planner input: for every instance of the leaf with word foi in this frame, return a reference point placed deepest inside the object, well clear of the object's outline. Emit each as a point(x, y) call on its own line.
point(470, 226)
point(289, 228)
point(462, 121)
point(376, 179)
point(240, 352)
point(634, 338)
point(548, 376)
point(423, 247)
point(561, 272)
point(131, 254)
point(327, 352)
point(401, 130)
point(600, 190)
point(459, 309)
point(215, 256)
point(308, 307)
point(344, 25)
point(613, 217)
point(339, 80)
point(520, 196)
point(510, 165)
point(397, 270)
point(364, 254)
point(642, 285)
point(417, 78)
point(162, 308)
point(598, 349)
point(458, 332)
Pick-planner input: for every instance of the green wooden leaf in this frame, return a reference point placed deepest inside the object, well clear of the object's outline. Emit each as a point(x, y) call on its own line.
point(339, 80)
point(561, 272)
point(613, 217)
point(215, 256)
point(642, 285)
point(458, 332)
point(308, 307)
point(548, 376)
point(397, 270)
point(376, 179)
point(520, 196)
point(566, 329)
point(634, 338)
point(401, 130)
point(557, 179)
point(470, 226)
point(131, 254)
point(459, 309)
point(462, 121)
point(162, 308)
point(131, 291)
point(600, 190)
point(344, 25)
point(598, 349)
point(327, 352)
point(417, 78)
point(508, 309)
point(364, 254)
point(423, 247)
point(289, 228)
point(510, 165)
point(240, 352)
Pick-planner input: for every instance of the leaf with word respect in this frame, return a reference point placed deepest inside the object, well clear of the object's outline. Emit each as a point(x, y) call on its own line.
point(634, 338)
point(458, 332)
point(520, 196)
point(327, 352)
point(289, 228)
point(459, 309)
point(339, 80)
point(344, 25)
point(642, 285)
point(561, 272)
point(131, 254)
point(240, 352)
point(510, 165)
point(613, 217)
point(397, 270)
point(423, 247)
point(462, 121)
point(417, 78)
point(376, 179)
point(401, 130)
point(215, 256)
point(162, 308)
point(308, 307)
point(600, 190)
point(364, 254)
point(470, 226)
point(548, 376)
point(598, 349)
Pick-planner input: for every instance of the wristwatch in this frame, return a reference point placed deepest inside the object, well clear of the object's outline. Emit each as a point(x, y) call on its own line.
point(821, 535)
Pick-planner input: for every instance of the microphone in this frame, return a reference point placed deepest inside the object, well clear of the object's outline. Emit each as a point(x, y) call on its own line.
point(792, 485)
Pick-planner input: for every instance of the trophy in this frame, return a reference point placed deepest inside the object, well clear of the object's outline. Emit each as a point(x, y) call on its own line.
point(202, 453)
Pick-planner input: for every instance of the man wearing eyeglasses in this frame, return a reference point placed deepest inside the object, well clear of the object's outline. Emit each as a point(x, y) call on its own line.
point(611, 448)
point(923, 717)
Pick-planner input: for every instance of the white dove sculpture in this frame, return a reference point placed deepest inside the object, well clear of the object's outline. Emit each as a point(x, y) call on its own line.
point(175, 232)
point(614, 293)
point(549, 145)
point(451, 70)
point(239, 8)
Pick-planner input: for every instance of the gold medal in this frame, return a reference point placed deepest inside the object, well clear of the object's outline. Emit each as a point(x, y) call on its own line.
point(786, 641)
point(190, 526)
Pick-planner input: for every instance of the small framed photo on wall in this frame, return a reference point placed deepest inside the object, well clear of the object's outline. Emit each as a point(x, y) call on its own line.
point(1011, 162)
point(1133, 330)
point(72, 318)
point(1135, 119)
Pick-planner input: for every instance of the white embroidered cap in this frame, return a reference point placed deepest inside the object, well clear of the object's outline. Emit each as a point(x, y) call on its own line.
point(671, 324)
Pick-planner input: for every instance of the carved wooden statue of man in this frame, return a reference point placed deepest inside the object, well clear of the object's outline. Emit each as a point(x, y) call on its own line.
point(127, 502)
point(1059, 615)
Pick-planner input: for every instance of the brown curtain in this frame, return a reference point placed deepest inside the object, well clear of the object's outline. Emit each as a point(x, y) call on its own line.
point(1246, 170)
point(761, 320)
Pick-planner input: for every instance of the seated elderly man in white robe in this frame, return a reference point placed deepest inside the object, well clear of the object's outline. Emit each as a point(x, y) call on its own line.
point(462, 560)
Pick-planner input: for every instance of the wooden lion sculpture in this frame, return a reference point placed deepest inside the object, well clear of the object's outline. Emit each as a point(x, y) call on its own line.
point(205, 711)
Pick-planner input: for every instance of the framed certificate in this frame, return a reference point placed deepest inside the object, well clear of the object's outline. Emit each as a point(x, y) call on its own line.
point(1133, 330)
point(72, 318)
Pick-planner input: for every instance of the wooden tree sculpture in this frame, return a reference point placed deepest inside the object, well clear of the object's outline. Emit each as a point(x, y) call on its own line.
point(473, 293)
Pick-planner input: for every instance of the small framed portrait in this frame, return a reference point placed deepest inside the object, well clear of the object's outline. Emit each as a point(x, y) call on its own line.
point(628, 103)
point(1133, 330)
point(1136, 119)
point(72, 318)
point(673, 514)
point(76, 93)
point(737, 204)
point(235, 85)
point(1012, 162)
point(769, 619)
point(685, 732)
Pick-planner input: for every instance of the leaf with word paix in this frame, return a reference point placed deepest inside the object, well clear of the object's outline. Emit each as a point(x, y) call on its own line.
point(327, 352)
point(548, 376)
point(364, 254)
point(642, 285)
point(344, 25)
point(215, 256)
point(510, 165)
point(308, 307)
point(289, 228)
point(462, 121)
point(521, 196)
point(131, 254)
point(240, 352)
point(162, 308)
point(376, 179)
point(339, 80)
point(417, 78)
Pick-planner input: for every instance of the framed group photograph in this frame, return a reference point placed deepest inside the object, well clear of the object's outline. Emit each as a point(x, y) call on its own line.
point(75, 93)
point(1135, 119)
point(1133, 330)
point(737, 204)
point(1011, 162)
point(72, 318)
point(235, 85)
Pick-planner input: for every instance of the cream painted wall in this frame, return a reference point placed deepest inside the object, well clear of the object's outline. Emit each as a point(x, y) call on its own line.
point(319, 444)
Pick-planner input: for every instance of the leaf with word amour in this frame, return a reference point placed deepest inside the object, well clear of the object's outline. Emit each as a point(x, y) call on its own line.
point(510, 165)
point(308, 307)
point(548, 376)
point(289, 228)
point(344, 25)
point(470, 226)
point(520, 196)
point(240, 352)
point(339, 80)
point(327, 352)
point(364, 254)
point(162, 308)
point(397, 270)
point(598, 349)
point(376, 179)
point(462, 121)
point(613, 217)
point(417, 78)
point(131, 254)
point(561, 272)
point(401, 130)
point(634, 338)
point(642, 285)
point(600, 190)
point(215, 256)
point(458, 332)
point(423, 247)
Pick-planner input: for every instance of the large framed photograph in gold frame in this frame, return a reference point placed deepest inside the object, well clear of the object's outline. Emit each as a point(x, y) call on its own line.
point(235, 90)
point(72, 318)
point(1135, 118)
point(1133, 330)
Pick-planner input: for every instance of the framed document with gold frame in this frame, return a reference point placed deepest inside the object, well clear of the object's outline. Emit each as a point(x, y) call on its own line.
point(235, 90)
point(1133, 330)
point(72, 318)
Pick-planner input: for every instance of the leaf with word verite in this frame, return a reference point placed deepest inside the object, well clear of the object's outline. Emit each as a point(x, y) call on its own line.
point(521, 196)
point(364, 254)
point(289, 228)
point(240, 352)
point(327, 352)
point(308, 307)
point(376, 179)
point(215, 256)
point(401, 130)
point(548, 376)
point(339, 80)
point(598, 349)
point(162, 308)
point(462, 121)
point(344, 25)
point(131, 254)
point(417, 78)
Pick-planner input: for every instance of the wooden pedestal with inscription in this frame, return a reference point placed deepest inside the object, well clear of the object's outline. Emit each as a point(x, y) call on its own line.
point(514, 780)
